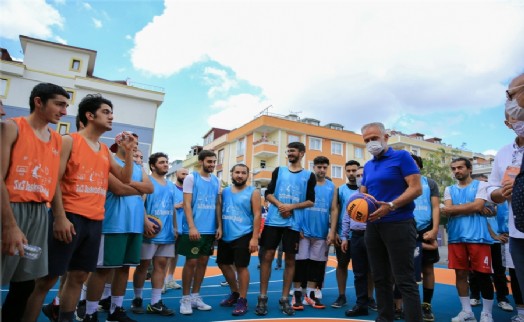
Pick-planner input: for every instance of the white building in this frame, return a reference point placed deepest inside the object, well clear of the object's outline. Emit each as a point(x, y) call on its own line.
point(134, 108)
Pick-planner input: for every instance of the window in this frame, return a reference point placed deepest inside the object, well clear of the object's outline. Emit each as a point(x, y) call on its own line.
point(71, 96)
point(311, 165)
point(336, 148)
point(415, 151)
point(241, 148)
point(293, 138)
point(210, 138)
point(315, 144)
point(219, 175)
point(63, 128)
point(359, 153)
point(4, 86)
point(76, 64)
point(336, 172)
point(220, 156)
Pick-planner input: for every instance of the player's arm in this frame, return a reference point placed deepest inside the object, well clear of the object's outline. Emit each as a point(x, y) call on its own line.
point(335, 208)
point(411, 193)
point(435, 213)
point(12, 237)
point(310, 198)
point(118, 188)
point(145, 186)
point(257, 215)
point(218, 214)
point(270, 197)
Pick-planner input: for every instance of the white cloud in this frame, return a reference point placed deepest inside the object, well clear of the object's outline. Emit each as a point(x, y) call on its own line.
point(235, 111)
point(59, 2)
point(219, 80)
point(86, 6)
point(347, 62)
point(97, 23)
point(36, 22)
point(129, 37)
point(60, 40)
point(490, 152)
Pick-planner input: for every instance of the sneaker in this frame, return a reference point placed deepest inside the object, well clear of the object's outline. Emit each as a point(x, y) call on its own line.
point(80, 312)
point(464, 317)
point(372, 304)
point(285, 307)
point(398, 315)
point(427, 313)
point(240, 307)
point(486, 317)
point(296, 301)
point(505, 306)
point(261, 308)
point(224, 283)
point(313, 301)
point(172, 285)
point(339, 302)
point(231, 300)
point(104, 304)
point(91, 317)
point(518, 318)
point(159, 308)
point(136, 306)
point(51, 311)
point(185, 306)
point(119, 315)
point(474, 302)
point(318, 293)
point(197, 303)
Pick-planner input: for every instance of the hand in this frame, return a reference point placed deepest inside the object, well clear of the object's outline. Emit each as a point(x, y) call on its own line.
point(382, 211)
point(444, 211)
point(218, 233)
point(13, 239)
point(301, 235)
point(194, 235)
point(338, 241)
point(430, 235)
point(507, 189)
point(149, 228)
point(330, 238)
point(286, 214)
point(63, 229)
point(282, 208)
point(176, 234)
point(486, 211)
point(253, 245)
point(503, 238)
point(344, 246)
point(129, 142)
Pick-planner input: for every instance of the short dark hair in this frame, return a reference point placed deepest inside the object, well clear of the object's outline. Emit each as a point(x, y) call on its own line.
point(239, 165)
point(352, 162)
point(418, 160)
point(91, 103)
point(204, 154)
point(153, 158)
point(320, 160)
point(45, 91)
point(77, 123)
point(297, 145)
point(466, 161)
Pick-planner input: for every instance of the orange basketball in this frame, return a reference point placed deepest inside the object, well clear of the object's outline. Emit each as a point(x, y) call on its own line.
point(360, 205)
point(158, 223)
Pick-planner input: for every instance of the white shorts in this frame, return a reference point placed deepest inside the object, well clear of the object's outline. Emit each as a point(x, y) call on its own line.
point(154, 250)
point(312, 248)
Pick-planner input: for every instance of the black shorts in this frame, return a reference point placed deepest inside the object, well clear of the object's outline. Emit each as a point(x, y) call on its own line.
point(428, 256)
point(343, 259)
point(79, 255)
point(235, 252)
point(271, 237)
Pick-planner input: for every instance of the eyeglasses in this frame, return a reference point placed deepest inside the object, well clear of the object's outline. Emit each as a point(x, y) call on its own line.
point(509, 95)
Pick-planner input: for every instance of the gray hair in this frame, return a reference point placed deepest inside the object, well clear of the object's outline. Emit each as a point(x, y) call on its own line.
point(378, 125)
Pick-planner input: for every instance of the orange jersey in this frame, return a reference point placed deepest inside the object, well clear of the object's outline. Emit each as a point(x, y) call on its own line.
point(85, 181)
point(33, 169)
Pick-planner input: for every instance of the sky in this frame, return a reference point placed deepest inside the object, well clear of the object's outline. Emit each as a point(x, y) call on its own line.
point(434, 67)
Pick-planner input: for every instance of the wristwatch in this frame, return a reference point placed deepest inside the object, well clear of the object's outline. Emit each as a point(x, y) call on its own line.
point(392, 206)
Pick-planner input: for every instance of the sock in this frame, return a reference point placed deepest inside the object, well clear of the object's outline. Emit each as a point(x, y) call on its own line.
point(193, 295)
point(187, 297)
point(466, 306)
point(298, 289)
point(56, 300)
point(427, 295)
point(156, 295)
point(107, 291)
point(83, 293)
point(91, 307)
point(169, 278)
point(487, 305)
point(116, 301)
point(66, 316)
point(138, 292)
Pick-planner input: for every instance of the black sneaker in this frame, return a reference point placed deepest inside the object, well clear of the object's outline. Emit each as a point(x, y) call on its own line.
point(159, 308)
point(119, 315)
point(91, 317)
point(296, 301)
point(372, 304)
point(427, 314)
point(51, 311)
point(230, 300)
point(136, 306)
point(285, 307)
point(261, 308)
point(104, 304)
point(340, 302)
point(80, 312)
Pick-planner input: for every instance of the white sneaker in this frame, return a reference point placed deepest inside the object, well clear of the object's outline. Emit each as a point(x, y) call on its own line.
point(486, 317)
point(505, 306)
point(185, 306)
point(318, 293)
point(464, 317)
point(474, 302)
point(518, 318)
point(172, 284)
point(197, 303)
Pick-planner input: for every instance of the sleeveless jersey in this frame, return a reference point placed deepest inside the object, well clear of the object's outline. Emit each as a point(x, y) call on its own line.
point(423, 208)
point(237, 215)
point(161, 203)
point(124, 214)
point(84, 184)
point(290, 188)
point(502, 217)
point(471, 228)
point(180, 214)
point(344, 193)
point(33, 170)
point(203, 204)
point(315, 221)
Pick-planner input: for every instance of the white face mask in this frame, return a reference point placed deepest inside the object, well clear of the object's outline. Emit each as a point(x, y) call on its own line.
point(514, 110)
point(518, 127)
point(374, 147)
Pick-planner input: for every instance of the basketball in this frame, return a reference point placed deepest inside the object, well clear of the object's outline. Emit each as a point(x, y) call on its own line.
point(155, 220)
point(360, 205)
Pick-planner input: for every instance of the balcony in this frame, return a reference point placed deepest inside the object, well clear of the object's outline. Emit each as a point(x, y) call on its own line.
point(262, 176)
point(265, 149)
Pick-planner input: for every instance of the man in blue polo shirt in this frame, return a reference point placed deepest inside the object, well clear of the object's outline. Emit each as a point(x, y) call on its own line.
point(393, 178)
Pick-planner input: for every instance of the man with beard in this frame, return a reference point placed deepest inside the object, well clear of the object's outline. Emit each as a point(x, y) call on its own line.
point(200, 229)
point(240, 213)
point(290, 191)
point(469, 238)
point(169, 282)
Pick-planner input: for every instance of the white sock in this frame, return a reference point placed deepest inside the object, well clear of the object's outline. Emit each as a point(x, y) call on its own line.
point(156, 295)
point(169, 278)
point(107, 291)
point(487, 306)
point(138, 292)
point(195, 295)
point(309, 290)
point(91, 307)
point(466, 305)
point(83, 293)
point(299, 289)
point(116, 301)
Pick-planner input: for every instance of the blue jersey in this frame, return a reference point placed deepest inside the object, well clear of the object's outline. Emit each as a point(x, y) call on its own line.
point(494, 226)
point(161, 203)
point(315, 220)
point(180, 214)
point(502, 217)
point(423, 208)
point(237, 214)
point(290, 188)
point(203, 204)
point(124, 214)
point(470, 228)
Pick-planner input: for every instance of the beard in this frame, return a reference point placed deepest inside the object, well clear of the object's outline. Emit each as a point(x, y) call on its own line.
point(179, 180)
point(209, 169)
point(238, 183)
